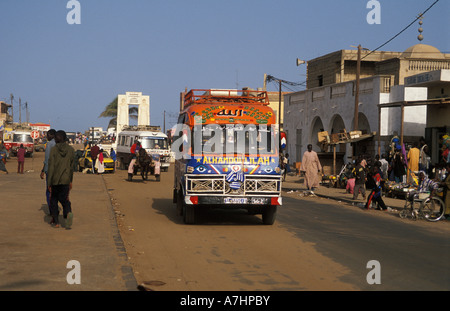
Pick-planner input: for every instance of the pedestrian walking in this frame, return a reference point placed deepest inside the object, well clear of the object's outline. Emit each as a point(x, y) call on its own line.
point(311, 167)
point(133, 150)
point(285, 165)
point(44, 173)
point(60, 176)
point(374, 184)
point(413, 161)
point(398, 166)
point(100, 164)
point(95, 150)
point(113, 156)
point(21, 159)
point(384, 167)
point(360, 179)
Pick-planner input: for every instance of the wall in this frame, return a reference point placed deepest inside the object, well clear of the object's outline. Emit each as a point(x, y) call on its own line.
point(332, 108)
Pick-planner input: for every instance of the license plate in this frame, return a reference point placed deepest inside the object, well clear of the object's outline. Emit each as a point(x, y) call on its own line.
point(258, 201)
point(235, 200)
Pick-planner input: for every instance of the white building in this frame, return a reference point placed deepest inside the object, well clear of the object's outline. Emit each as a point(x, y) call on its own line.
point(329, 102)
point(331, 108)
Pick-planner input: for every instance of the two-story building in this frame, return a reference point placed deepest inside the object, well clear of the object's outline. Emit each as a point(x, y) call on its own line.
point(328, 103)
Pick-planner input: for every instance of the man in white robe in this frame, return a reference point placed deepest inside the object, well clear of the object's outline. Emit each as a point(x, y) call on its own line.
point(311, 167)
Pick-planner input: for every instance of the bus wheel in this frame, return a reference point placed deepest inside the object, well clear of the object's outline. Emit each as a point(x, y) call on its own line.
point(180, 203)
point(189, 214)
point(269, 215)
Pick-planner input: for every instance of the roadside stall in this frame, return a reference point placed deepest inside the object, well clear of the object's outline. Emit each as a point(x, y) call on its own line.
point(335, 178)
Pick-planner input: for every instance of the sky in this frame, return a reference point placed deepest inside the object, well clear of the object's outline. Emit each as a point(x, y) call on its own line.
point(68, 73)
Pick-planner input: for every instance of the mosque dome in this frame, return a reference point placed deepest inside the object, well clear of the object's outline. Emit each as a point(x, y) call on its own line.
point(422, 51)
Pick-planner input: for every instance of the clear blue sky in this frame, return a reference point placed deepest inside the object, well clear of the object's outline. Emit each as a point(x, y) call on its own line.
point(69, 73)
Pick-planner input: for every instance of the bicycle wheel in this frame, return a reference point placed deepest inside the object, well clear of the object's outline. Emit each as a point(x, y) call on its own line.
point(407, 213)
point(433, 209)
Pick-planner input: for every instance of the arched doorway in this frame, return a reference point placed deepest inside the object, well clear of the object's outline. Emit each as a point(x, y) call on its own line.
point(337, 125)
point(316, 127)
point(363, 147)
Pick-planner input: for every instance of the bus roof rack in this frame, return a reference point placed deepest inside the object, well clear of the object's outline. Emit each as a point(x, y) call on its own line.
point(153, 128)
point(221, 96)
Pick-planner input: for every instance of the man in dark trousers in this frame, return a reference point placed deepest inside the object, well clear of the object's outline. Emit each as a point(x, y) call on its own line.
point(95, 150)
point(60, 176)
point(360, 180)
point(44, 173)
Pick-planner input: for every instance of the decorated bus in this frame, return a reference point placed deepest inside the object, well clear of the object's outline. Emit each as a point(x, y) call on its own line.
point(226, 154)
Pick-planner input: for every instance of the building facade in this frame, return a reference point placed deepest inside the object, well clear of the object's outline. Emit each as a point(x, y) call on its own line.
point(328, 103)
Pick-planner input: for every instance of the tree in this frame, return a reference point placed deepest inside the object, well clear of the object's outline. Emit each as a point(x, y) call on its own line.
point(111, 112)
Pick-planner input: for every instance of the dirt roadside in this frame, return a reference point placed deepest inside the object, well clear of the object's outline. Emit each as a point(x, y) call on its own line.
point(34, 256)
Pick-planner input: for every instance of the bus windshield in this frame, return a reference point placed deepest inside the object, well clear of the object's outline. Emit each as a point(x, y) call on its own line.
point(154, 142)
point(22, 138)
point(234, 139)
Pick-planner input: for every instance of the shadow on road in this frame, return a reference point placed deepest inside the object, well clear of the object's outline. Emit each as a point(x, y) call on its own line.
point(207, 216)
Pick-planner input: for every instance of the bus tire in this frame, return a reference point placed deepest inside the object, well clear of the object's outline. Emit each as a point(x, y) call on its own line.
point(180, 203)
point(189, 212)
point(269, 215)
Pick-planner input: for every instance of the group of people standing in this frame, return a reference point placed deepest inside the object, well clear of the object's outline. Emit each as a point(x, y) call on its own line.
point(404, 165)
point(370, 177)
point(412, 167)
point(21, 152)
point(370, 174)
point(58, 173)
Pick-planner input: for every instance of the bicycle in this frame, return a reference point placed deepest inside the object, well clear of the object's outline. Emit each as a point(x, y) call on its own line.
point(431, 208)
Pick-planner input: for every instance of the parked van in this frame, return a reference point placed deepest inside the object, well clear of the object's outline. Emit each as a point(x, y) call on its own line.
point(152, 140)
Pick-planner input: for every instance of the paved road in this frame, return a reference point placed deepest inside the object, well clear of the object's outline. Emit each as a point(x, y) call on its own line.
point(412, 255)
point(34, 256)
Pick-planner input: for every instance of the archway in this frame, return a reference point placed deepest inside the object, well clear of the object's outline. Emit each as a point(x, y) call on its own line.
point(316, 127)
point(337, 125)
point(136, 99)
point(363, 147)
point(363, 123)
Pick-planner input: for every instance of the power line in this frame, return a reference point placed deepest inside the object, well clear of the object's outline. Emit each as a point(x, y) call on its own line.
point(388, 41)
point(403, 30)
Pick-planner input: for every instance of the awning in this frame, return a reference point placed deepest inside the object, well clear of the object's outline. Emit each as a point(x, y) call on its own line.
point(354, 140)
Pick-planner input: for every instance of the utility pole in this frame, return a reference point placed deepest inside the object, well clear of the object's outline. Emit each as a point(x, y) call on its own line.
point(28, 116)
point(12, 107)
point(355, 118)
point(358, 73)
point(20, 111)
point(164, 122)
point(279, 107)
